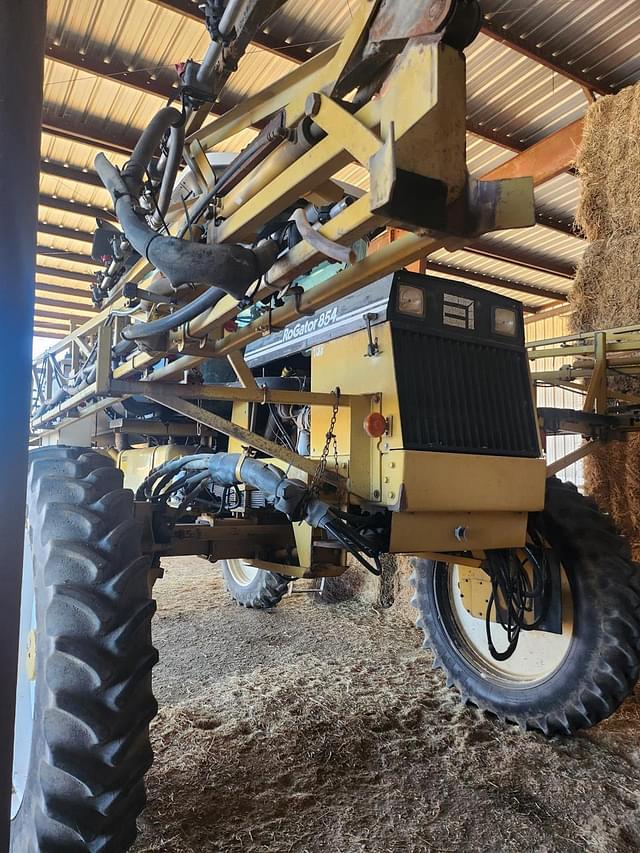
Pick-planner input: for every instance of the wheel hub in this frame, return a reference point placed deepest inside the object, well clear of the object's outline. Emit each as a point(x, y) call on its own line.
point(538, 653)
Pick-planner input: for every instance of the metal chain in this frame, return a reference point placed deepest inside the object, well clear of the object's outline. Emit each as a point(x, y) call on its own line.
point(314, 485)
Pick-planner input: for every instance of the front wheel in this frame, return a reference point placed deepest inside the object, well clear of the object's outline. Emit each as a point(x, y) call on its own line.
point(253, 587)
point(84, 700)
point(559, 680)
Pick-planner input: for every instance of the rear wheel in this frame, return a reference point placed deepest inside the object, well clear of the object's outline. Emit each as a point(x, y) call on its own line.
point(84, 700)
point(560, 681)
point(253, 587)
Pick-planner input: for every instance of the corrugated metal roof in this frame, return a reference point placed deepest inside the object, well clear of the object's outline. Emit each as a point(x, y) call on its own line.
point(511, 97)
point(516, 97)
point(598, 38)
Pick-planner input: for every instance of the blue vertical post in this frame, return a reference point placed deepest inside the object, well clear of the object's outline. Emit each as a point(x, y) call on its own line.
point(22, 32)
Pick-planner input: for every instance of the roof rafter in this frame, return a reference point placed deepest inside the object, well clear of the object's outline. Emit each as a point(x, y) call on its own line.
point(70, 173)
point(78, 292)
point(497, 281)
point(114, 70)
point(78, 207)
point(65, 129)
point(70, 274)
point(51, 315)
point(66, 233)
point(64, 255)
point(66, 305)
point(539, 54)
point(546, 159)
point(514, 255)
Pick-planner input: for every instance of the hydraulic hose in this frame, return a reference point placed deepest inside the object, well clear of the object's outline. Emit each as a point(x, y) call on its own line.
point(206, 300)
point(291, 497)
point(174, 158)
point(231, 267)
point(151, 137)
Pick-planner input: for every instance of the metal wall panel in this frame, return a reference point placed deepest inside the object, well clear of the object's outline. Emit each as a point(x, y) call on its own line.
point(558, 446)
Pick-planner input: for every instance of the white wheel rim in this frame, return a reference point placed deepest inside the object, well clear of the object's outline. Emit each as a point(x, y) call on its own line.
point(538, 654)
point(242, 573)
point(26, 685)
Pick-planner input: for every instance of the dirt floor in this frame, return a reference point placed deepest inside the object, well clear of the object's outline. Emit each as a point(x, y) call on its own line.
point(316, 728)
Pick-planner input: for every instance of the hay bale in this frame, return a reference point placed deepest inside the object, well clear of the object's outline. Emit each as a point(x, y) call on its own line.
point(606, 291)
point(392, 590)
point(403, 591)
point(609, 166)
point(607, 294)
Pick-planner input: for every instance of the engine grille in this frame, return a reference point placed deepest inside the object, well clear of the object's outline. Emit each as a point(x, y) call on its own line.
point(463, 396)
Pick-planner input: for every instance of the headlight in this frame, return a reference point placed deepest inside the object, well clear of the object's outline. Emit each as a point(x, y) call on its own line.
point(411, 300)
point(505, 322)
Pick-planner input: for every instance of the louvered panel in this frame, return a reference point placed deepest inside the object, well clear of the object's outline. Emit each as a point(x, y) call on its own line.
point(463, 396)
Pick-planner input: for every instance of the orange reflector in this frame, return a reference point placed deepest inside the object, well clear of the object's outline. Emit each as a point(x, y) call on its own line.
point(375, 424)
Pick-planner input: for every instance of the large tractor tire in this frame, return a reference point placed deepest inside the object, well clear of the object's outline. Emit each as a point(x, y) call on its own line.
point(555, 683)
point(84, 699)
point(252, 587)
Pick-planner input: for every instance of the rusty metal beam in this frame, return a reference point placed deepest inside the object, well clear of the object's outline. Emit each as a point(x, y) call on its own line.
point(114, 70)
point(50, 324)
point(496, 281)
point(63, 255)
point(87, 310)
point(51, 315)
point(529, 260)
point(494, 136)
point(563, 226)
point(67, 233)
point(545, 160)
point(502, 33)
point(120, 143)
point(78, 292)
point(77, 207)
point(547, 314)
point(69, 173)
point(70, 274)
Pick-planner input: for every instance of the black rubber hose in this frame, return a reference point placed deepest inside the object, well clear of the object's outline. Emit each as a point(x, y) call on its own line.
point(134, 169)
point(206, 300)
point(229, 266)
point(174, 158)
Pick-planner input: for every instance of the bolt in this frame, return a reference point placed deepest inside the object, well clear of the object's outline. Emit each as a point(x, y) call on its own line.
point(392, 464)
point(461, 533)
point(376, 494)
point(392, 495)
point(386, 479)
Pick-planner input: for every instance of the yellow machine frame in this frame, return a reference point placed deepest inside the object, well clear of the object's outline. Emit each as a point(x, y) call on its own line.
point(441, 503)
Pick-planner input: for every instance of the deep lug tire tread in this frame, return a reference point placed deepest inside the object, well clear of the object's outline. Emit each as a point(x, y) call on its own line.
point(611, 672)
point(266, 590)
point(94, 700)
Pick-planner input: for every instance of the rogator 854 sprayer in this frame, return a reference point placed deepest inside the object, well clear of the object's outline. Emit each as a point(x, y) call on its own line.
point(265, 388)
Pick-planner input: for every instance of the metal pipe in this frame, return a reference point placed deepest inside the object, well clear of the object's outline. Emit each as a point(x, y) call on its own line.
point(270, 169)
point(22, 33)
point(207, 70)
point(174, 158)
point(322, 244)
